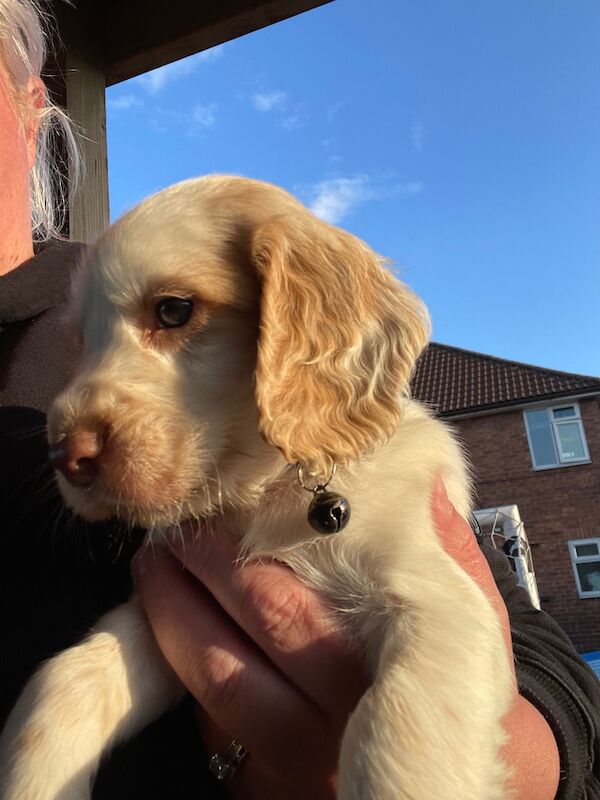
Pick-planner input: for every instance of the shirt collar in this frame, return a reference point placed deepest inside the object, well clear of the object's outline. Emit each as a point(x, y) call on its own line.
point(39, 283)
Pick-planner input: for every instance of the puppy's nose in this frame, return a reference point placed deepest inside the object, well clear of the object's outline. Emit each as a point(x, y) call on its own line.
point(76, 457)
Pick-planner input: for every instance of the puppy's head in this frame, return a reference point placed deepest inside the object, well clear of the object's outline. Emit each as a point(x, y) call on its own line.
point(224, 327)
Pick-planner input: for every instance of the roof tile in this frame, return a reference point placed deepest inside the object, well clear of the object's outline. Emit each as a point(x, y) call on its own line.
point(455, 381)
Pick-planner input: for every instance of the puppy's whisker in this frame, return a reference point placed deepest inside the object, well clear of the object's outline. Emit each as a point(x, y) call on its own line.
point(57, 517)
point(179, 531)
point(219, 490)
point(31, 432)
point(34, 479)
point(207, 495)
point(119, 549)
point(149, 541)
point(45, 492)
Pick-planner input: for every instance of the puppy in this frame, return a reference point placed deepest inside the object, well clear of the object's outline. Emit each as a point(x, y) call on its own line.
point(229, 336)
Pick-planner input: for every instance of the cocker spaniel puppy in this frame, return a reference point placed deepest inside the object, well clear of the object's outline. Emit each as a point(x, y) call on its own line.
point(229, 336)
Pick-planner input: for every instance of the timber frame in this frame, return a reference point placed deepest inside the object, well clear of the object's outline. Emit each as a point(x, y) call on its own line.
point(108, 41)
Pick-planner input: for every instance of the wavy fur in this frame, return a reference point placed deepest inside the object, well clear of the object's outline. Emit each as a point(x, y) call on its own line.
point(300, 348)
point(339, 339)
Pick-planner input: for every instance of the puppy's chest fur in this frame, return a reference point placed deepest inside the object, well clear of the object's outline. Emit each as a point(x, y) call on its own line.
point(373, 567)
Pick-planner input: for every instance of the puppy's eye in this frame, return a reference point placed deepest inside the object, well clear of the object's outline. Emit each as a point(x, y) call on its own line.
point(173, 312)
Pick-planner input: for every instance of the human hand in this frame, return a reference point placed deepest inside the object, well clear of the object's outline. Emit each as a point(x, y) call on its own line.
point(262, 656)
point(269, 667)
point(458, 541)
point(530, 750)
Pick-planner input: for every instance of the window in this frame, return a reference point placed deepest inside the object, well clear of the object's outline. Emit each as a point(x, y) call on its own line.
point(585, 555)
point(556, 436)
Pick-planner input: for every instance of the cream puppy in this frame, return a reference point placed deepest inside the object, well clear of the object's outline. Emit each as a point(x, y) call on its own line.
point(229, 336)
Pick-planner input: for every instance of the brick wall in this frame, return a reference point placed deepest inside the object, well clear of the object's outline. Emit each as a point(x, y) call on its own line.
point(556, 505)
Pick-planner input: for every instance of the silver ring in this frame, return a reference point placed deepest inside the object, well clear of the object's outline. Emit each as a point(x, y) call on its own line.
point(224, 765)
point(315, 487)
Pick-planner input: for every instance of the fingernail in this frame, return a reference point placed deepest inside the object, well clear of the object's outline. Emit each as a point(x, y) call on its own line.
point(439, 498)
point(438, 492)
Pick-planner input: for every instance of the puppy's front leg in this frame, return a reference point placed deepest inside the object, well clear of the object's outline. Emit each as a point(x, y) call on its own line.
point(80, 703)
point(430, 725)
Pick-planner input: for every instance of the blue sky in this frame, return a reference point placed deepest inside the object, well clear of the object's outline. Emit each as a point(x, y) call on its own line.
point(461, 139)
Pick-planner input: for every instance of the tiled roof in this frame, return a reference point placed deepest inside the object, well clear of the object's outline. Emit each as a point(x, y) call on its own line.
point(454, 381)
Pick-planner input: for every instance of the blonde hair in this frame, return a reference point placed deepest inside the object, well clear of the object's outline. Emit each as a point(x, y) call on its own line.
point(25, 29)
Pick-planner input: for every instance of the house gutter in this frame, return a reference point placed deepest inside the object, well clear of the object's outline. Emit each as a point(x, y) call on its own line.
point(500, 408)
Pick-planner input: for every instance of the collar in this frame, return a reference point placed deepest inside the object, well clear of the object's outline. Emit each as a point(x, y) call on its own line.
point(39, 283)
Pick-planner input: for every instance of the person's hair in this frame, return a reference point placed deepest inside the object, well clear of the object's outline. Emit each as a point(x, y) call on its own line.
point(24, 34)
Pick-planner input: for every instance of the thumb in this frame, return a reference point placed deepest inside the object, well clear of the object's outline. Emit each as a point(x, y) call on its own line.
point(456, 534)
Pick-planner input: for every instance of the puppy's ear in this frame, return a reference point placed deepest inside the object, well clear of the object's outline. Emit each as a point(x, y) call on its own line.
point(339, 337)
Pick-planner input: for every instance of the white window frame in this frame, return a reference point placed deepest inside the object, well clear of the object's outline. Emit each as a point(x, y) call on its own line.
point(554, 424)
point(575, 559)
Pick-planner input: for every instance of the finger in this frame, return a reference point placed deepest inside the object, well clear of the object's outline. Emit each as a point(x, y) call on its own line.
point(256, 779)
point(457, 536)
point(233, 681)
point(286, 619)
point(460, 543)
point(217, 742)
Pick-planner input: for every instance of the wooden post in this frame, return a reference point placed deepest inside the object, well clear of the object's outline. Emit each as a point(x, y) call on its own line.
point(85, 94)
point(78, 83)
point(107, 42)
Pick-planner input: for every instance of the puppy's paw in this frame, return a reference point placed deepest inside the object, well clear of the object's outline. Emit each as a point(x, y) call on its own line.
point(79, 704)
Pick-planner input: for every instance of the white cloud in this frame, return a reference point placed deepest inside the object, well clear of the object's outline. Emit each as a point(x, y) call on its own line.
point(295, 118)
point(212, 54)
point(417, 135)
point(292, 121)
point(291, 115)
point(156, 79)
point(334, 199)
point(205, 116)
point(266, 101)
point(124, 102)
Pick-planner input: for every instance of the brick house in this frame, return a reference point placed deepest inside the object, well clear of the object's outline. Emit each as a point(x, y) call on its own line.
point(533, 437)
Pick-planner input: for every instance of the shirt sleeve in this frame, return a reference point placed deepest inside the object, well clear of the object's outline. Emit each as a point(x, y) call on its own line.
point(556, 681)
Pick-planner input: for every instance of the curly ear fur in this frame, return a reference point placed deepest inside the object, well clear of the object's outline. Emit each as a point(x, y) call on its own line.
point(339, 337)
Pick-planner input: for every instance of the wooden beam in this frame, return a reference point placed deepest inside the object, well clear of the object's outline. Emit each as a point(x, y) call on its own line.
point(140, 35)
point(110, 41)
point(88, 208)
point(78, 82)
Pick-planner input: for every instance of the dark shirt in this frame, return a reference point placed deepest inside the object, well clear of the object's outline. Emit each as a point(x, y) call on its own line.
point(59, 574)
point(553, 678)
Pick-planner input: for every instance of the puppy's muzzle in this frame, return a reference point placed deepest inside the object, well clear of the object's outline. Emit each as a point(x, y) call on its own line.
point(76, 457)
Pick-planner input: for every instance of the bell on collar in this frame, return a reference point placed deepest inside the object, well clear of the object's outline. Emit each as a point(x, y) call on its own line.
point(328, 512)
